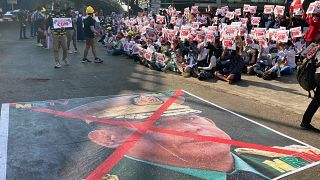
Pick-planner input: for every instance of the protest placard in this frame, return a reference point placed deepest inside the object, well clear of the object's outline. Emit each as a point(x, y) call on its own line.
point(225, 9)
point(196, 25)
point(141, 52)
point(296, 32)
point(201, 35)
point(230, 15)
point(236, 24)
point(186, 10)
point(215, 20)
point(229, 42)
point(279, 10)
point(314, 8)
point(210, 36)
point(252, 9)
point(173, 20)
point(219, 11)
point(242, 31)
point(160, 19)
point(148, 55)
point(263, 42)
point(248, 40)
point(244, 21)
point(237, 12)
point(255, 21)
point(230, 31)
point(194, 9)
point(246, 8)
point(310, 51)
point(160, 57)
point(283, 36)
point(268, 9)
point(272, 34)
point(260, 33)
point(62, 23)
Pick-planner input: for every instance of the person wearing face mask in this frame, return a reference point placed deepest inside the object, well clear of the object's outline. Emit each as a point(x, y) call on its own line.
point(314, 26)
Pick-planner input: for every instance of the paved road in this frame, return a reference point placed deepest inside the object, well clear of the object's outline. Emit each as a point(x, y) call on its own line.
point(27, 74)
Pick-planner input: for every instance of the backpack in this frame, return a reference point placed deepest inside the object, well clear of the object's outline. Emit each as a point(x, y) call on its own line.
point(306, 75)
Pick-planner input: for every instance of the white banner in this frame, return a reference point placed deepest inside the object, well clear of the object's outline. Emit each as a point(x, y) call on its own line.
point(59, 23)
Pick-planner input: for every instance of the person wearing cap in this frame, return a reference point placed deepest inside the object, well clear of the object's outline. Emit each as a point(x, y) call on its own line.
point(90, 32)
point(59, 37)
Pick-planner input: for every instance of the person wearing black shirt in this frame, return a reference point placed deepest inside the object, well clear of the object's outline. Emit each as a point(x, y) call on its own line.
point(22, 16)
point(59, 37)
point(89, 33)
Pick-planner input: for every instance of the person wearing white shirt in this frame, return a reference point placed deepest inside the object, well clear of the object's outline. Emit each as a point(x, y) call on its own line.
point(289, 61)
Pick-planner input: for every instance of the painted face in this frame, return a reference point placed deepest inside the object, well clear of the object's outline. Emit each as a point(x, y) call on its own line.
point(171, 149)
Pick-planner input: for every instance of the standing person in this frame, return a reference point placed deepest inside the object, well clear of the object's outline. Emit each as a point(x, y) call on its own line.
point(313, 31)
point(38, 18)
point(71, 33)
point(79, 24)
point(89, 33)
point(59, 37)
point(313, 106)
point(22, 16)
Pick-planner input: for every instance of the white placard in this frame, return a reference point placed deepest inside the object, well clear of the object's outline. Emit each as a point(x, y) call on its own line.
point(59, 23)
point(268, 9)
point(296, 32)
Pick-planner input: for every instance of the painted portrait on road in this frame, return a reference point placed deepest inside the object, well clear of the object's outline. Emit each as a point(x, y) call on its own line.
point(166, 135)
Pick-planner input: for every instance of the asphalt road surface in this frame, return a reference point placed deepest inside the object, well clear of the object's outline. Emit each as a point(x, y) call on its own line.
point(27, 74)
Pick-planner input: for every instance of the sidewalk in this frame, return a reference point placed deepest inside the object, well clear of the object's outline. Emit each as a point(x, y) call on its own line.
point(284, 92)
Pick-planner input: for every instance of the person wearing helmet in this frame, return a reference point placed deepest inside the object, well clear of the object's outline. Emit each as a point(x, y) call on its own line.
point(90, 32)
point(59, 37)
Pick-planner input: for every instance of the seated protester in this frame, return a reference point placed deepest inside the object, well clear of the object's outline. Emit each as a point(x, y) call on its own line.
point(208, 71)
point(109, 41)
point(289, 63)
point(118, 46)
point(127, 43)
point(135, 49)
point(191, 62)
point(300, 46)
point(233, 74)
point(151, 64)
point(251, 60)
point(169, 64)
point(179, 60)
point(203, 55)
point(270, 71)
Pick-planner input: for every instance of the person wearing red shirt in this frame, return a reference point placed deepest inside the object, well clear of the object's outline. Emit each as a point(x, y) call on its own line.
point(314, 27)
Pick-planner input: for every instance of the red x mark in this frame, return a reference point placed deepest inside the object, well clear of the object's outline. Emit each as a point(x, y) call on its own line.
point(143, 127)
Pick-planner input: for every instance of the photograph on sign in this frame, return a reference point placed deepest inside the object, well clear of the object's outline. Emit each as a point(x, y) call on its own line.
point(59, 23)
point(296, 32)
point(246, 8)
point(268, 9)
point(279, 10)
point(283, 36)
point(255, 21)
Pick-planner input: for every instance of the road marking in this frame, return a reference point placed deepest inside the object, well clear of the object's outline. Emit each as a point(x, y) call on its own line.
point(4, 126)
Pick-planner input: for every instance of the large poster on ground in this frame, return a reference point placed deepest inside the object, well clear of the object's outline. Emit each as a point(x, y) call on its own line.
point(165, 135)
